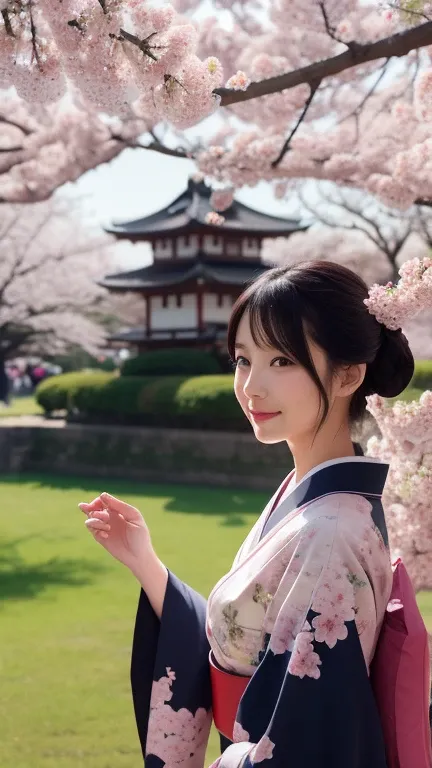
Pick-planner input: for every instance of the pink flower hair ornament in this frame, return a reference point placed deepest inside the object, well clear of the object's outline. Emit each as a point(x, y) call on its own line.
point(394, 304)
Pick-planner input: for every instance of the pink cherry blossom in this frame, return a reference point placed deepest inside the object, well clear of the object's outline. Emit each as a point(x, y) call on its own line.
point(104, 57)
point(406, 443)
point(239, 81)
point(329, 629)
point(214, 218)
point(304, 661)
point(239, 733)
point(221, 199)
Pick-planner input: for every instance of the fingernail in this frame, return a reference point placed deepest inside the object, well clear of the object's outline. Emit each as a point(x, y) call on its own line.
point(105, 535)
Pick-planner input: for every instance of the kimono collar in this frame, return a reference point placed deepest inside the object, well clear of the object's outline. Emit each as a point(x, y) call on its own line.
point(351, 474)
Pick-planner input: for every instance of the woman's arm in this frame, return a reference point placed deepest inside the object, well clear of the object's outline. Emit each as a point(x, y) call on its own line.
point(153, 577)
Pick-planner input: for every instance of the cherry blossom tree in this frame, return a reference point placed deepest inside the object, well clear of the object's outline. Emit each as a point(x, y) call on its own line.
point(49, 265)
point(326, 89)
point(351, 228)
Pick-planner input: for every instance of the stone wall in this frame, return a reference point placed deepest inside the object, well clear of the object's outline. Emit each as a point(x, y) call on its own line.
point(154, 455)
point(149, 454)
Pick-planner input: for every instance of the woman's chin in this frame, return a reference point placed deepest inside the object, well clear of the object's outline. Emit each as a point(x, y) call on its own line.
point(266, 437)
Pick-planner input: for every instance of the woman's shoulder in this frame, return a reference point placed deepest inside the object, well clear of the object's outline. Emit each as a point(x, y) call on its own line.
point(345, 508)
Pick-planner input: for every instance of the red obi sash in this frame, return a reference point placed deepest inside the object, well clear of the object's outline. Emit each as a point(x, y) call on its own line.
point(227, 690)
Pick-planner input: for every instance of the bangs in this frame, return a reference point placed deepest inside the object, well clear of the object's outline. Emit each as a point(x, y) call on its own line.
point(275, 319)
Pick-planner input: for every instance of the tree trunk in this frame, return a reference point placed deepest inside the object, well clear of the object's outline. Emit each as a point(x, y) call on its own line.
point(4, 382)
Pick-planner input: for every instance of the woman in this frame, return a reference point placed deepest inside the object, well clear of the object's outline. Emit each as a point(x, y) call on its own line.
point(292, 628)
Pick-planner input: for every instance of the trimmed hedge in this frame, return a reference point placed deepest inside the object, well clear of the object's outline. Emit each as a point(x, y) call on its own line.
point(200, 402)
point(57, 392)
point(172, 362)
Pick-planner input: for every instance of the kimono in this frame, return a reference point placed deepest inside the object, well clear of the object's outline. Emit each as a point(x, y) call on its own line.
point(298, 614)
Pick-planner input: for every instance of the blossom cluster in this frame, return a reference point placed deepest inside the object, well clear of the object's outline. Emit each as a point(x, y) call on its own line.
point(406, 444)
point(393, 304)
point(167, 64)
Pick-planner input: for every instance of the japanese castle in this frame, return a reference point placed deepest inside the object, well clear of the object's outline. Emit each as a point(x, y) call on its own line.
point(198, 269)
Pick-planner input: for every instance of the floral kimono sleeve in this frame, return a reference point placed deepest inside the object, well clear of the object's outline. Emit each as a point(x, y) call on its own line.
point(171, 680)
point(309, 703)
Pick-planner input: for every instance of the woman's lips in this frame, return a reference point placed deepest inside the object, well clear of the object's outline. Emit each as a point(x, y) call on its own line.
point(262, 416)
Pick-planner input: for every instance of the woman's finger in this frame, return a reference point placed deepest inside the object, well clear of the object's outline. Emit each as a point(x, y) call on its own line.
point(99, 534)
point(95, 524)
point(99, 514)
point(116, 505)
point(93, 506)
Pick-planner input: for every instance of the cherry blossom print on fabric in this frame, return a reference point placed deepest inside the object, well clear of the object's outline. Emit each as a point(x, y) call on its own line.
point(239, 733)
point(262, 751)
point(178, 738)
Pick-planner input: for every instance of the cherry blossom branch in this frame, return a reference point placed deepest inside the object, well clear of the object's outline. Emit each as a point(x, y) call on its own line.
point(398, 45)
point(14, 124)
point(286, 146)
point(154, 146)
point(355, 112)
point(7, 23)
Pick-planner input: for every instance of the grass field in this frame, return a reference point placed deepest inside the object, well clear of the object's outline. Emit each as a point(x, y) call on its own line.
point(21, 406)
point(67, 612)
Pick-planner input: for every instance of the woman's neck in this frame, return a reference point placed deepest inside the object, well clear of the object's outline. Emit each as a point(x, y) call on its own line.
point(324, 448)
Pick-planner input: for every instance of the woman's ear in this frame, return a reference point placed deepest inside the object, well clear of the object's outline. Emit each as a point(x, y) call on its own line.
point(350, 378)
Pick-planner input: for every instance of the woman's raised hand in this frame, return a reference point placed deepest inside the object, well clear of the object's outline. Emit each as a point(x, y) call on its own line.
point(120, 528)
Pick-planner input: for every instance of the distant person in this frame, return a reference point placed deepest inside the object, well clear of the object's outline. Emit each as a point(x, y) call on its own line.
point(4, 385)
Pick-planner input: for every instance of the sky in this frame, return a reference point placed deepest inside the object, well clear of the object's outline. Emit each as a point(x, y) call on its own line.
point(140, 182)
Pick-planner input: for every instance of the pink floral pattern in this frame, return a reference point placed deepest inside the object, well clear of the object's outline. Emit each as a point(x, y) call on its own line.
point(178, 738)
point(239, 733)
point(329, 629)
point(304, 661)
point(328, 558)
point(285, 631)
point(262, 751)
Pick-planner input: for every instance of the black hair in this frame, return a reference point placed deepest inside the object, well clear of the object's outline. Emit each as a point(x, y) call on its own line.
point(326, 301)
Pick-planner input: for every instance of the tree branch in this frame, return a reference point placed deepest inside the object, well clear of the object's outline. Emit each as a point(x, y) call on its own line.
point(355, 112)
point(396, 45)
point(286, 145)
point(14, 124)
point(7, 23)
point(155, 146)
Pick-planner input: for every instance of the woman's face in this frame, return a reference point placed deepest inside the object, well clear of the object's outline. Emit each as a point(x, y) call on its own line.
point(278, 397)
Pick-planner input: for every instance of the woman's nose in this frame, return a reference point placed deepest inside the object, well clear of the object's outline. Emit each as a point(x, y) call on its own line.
point(254, 386)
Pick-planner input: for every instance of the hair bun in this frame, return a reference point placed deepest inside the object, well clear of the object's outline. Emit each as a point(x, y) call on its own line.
point(392, 370)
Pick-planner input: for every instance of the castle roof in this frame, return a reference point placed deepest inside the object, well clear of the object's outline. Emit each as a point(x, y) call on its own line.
point(187, 213)
point(172, 273)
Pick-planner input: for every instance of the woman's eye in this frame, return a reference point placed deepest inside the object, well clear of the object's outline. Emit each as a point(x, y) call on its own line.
point(283, 362)
point(240, 362)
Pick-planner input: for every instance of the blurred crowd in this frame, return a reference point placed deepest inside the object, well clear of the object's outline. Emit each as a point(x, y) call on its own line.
point(21, 377)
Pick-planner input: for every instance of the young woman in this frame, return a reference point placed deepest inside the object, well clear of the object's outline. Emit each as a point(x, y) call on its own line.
point(292, 628)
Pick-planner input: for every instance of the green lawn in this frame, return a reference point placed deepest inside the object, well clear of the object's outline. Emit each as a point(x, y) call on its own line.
point(67, 611)
point(21, 406)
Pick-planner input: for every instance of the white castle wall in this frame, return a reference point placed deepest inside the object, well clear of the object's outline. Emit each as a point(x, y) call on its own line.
point(163, 249)
point(214, 314)
point(188, 246)
point(173, 316)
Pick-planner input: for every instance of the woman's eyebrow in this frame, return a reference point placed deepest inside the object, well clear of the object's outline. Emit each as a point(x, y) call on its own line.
point(239, 345)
